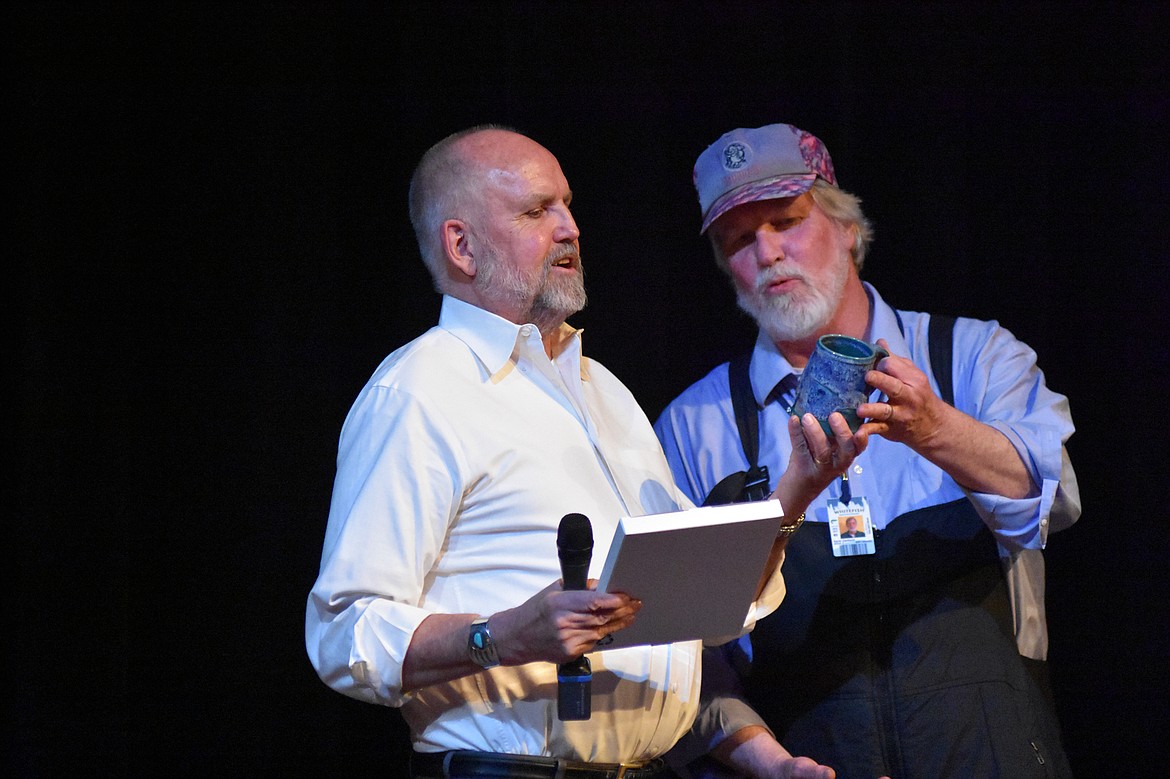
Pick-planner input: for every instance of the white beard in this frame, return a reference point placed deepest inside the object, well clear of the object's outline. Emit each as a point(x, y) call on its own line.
point(795, 315)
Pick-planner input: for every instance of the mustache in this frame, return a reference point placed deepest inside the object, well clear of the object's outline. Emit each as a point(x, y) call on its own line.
point(561, 251)
point(777, 272)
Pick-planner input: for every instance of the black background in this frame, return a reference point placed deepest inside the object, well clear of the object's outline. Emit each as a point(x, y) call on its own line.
point(206, 204)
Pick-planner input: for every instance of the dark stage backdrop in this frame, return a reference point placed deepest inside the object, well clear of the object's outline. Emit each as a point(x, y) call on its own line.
point(211, 254)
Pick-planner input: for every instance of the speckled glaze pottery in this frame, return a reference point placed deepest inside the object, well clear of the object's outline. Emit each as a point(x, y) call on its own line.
point(834, 379)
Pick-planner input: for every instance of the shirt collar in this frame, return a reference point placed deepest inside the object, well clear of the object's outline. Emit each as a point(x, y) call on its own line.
point(883, 323)
point(494, 339)
point(769, 367)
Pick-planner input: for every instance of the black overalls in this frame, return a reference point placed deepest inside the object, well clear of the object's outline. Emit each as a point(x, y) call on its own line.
point(869, 657)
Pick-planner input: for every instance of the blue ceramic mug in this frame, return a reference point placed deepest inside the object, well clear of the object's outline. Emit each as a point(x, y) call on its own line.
point(834, 379)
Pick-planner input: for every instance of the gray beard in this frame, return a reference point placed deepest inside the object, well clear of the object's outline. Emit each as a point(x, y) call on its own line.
point(547, 300)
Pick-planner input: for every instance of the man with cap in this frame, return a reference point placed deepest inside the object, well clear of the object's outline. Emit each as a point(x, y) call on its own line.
point(916, 652)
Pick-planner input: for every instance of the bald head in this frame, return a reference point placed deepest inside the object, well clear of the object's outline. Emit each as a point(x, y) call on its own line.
point(450, 180)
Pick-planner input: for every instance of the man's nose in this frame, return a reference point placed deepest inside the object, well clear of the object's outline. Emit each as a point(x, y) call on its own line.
point(769, 246)
point(566, 226)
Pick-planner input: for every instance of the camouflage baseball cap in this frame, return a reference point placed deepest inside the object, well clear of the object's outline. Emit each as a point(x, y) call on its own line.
point(763, 163)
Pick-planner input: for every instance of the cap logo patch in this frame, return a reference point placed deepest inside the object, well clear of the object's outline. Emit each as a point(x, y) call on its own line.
point(734, 156)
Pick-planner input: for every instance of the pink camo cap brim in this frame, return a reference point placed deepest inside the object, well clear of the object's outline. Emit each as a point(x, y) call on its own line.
point(771, 189)
point(758, 163)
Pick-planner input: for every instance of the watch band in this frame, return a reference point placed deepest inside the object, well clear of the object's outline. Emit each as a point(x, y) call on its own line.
point(787, 530)
point(480, 645)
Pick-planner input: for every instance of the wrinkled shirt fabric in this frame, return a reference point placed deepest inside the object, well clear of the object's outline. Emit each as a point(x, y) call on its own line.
point(455, 466)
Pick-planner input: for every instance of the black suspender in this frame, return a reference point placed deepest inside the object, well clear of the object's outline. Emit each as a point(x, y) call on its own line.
point(747, 419)
point(940, 338)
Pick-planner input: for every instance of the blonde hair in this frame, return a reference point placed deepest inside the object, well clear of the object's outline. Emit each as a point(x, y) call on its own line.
point(844, 208)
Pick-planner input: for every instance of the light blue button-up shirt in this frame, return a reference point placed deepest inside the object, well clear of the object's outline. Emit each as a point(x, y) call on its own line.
point(996, 381)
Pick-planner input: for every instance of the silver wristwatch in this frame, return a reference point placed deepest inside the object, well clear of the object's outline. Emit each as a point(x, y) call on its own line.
point(480, 645)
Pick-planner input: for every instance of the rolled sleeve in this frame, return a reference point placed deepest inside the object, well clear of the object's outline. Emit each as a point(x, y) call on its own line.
point(1006, 390)
point(358, 647)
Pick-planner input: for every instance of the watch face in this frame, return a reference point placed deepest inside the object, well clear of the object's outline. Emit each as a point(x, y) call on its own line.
point(480, 645)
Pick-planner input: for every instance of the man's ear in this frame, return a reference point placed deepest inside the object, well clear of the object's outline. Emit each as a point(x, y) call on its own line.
point(457, 246)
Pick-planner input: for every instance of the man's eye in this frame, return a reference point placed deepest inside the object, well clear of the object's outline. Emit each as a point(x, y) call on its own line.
point(734, 243)
point(536, 213)
point(787, 223)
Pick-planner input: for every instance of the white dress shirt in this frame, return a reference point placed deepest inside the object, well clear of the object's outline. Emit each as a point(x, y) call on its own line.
point(456, 464)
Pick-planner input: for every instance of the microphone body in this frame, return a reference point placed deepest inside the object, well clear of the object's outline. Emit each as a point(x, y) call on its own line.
point(574, 678)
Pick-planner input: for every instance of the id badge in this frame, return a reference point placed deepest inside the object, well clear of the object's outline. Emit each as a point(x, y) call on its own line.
point(850, 527)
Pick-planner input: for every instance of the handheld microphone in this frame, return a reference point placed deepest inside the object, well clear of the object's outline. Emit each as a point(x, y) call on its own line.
point(574, 548)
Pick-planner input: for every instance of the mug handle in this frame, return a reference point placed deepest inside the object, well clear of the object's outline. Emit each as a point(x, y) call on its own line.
point(879, 355)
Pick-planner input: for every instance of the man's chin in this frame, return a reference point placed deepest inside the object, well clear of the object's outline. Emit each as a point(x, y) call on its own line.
point(786, 325)
point(556, 308)
point(569, 298)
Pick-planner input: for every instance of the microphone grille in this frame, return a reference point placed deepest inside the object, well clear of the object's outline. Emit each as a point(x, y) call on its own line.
point(575, 532)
